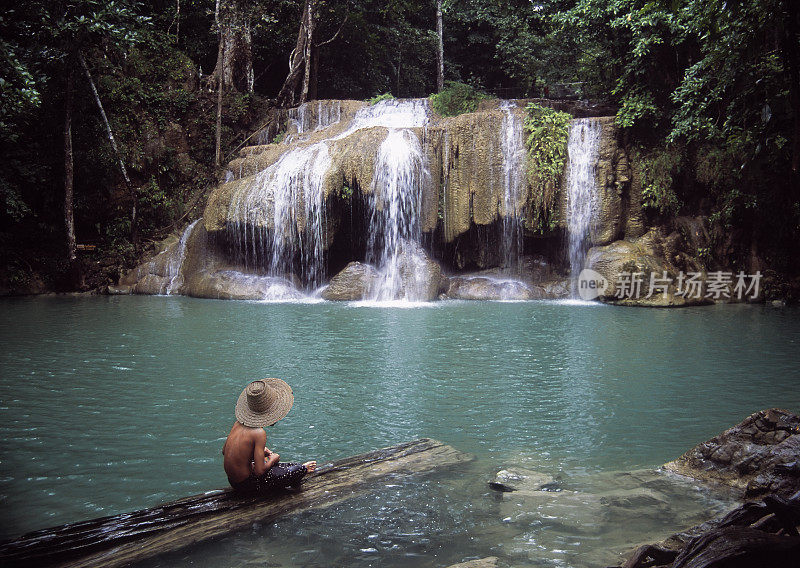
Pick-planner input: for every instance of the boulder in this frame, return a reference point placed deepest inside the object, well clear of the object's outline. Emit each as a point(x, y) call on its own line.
point(235, 285)
point(758, 456)
point(487, 288)
point(645, 256)
point(418, 278)
point(557, 289)
point(121, 290)
point(352, 283)
point(152, 285)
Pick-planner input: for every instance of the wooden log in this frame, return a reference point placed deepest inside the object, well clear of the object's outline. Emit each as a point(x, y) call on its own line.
point(119, 540)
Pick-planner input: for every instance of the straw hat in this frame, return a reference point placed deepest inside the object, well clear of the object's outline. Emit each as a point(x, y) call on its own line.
point(264, 402)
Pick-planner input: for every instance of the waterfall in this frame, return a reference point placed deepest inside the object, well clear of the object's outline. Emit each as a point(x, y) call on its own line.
point(279, 218)
point(513, 149)
point(392, 113)
point(328, 114)
point(298, 117)
point(174, 268)
point(277, 222)
point(582, 198)
point(396, 201)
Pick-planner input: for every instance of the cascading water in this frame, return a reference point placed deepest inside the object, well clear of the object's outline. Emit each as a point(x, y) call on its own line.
point(175, 265)
point(394, 225)
point(392, 113)
point(298, 117)
point(277, 223)
point(328, 114)
point(582, 198)
point(513, 148)
point(279, 219)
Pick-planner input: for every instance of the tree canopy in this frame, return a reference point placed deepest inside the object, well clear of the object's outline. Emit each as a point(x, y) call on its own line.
point(709, 90)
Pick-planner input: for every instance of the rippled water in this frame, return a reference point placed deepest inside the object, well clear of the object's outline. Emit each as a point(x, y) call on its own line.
point(114, 404)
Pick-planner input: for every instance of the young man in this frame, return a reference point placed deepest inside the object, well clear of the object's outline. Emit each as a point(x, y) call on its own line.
point(251, 467)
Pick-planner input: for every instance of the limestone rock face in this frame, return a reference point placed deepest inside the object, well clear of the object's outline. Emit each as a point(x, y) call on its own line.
point(760, 455)
point(192, 266)
point(611, 190)
point(352, 283)
point(469, 161)
point(644, 255)
point(157, 275)
point(557, 289)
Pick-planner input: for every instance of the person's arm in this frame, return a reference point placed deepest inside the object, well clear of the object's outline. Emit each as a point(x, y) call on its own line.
point(262, 462)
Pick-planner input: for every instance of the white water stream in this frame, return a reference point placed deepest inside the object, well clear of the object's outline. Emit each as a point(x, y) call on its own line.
point(582, 198)
point(396, 199)
point(513, 148)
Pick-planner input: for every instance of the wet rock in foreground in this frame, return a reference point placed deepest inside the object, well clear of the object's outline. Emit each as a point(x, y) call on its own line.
point(760, 455)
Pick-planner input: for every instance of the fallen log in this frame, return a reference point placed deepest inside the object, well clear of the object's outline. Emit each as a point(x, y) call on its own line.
point(119, 540)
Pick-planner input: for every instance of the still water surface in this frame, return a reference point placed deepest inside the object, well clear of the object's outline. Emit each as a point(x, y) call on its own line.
point(111, 404)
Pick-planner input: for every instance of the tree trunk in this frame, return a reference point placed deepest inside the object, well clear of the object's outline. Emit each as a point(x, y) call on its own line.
point(134, 232)
point(69, 177)
point(235, 60)
point(288, 93)
point(310, 26)
point(440, 51)
point(312, 88)
point(122, 540)
point(220, 83)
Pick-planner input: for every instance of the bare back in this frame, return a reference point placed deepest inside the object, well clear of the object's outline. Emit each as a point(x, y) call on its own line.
point(242, 449)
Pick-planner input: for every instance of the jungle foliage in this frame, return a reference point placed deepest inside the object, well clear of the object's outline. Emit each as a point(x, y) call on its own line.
point(707, 90)
point(546, 137)
point(456, 98)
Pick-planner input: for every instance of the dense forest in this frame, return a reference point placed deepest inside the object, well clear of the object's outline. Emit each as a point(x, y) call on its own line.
point(116, 116)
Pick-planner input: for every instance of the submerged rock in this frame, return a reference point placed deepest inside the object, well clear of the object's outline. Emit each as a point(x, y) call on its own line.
point(488, 562)
point(352, 283)
point(755, 534)
point(760, 455)
point(518, 479)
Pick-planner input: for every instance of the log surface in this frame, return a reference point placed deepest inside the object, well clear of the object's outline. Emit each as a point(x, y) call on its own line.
point(120, 540)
